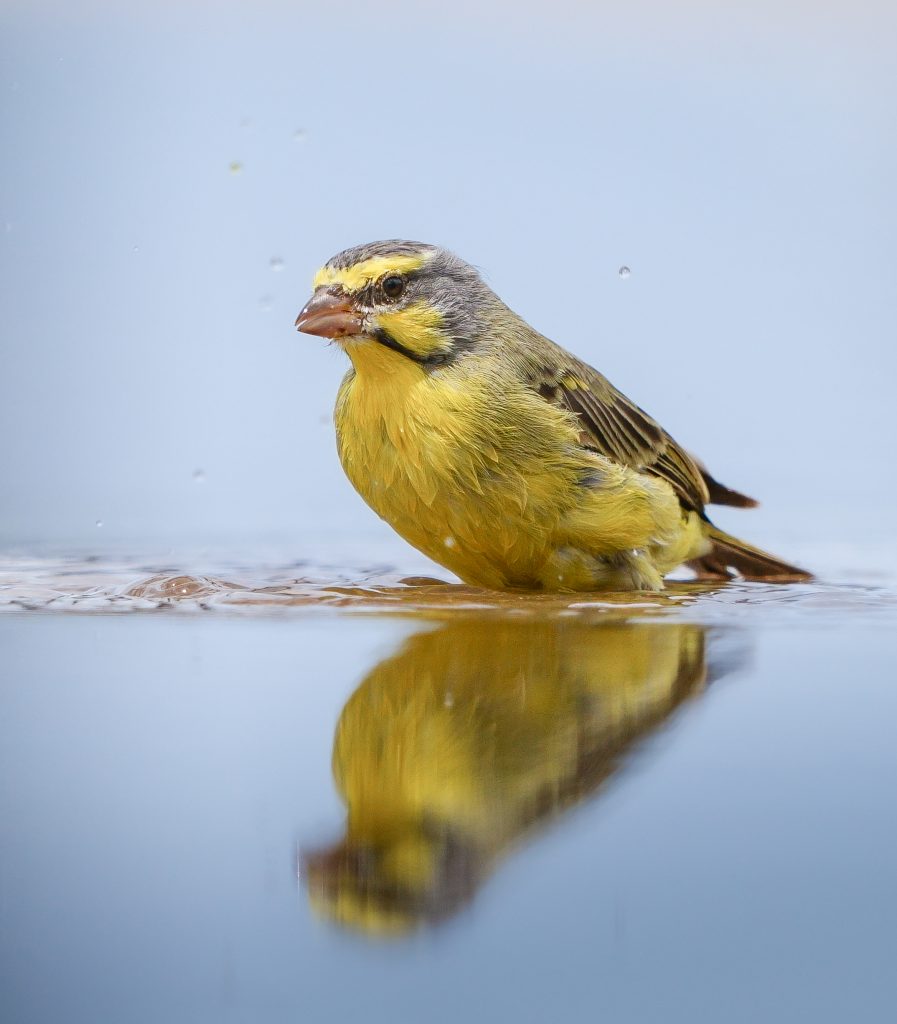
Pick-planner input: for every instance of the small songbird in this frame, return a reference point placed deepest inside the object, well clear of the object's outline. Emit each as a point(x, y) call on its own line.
point(496, 452)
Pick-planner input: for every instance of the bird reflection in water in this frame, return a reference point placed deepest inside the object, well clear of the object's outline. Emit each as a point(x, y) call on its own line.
point(474, 734)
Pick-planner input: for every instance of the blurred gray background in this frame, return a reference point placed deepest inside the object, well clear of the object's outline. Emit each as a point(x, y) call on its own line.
point(173, 174)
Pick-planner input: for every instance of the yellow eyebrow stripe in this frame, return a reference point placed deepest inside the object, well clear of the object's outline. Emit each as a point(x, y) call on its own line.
point(355, 278)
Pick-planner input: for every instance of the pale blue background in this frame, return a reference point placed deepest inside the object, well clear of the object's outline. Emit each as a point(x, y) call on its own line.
point(741, 162)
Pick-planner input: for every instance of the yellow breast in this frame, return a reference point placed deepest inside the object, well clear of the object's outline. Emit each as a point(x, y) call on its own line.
point(468, 480)
point(489, 480)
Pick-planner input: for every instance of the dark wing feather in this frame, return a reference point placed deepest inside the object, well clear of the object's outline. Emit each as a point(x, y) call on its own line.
point(620, 430)
point(722, 495)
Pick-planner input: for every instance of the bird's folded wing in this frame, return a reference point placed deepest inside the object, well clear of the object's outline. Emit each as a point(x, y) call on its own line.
point(617, 428)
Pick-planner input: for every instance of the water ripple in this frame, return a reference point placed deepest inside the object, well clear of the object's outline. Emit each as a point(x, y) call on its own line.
point(95, 586)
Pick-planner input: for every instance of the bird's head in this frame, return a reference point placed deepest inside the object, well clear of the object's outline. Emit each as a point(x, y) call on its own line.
point(417, 300)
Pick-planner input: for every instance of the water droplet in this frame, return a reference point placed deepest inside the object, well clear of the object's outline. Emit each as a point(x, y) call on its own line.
point(300, 135)
point(266, 303)
point(246, 122)
point(199, 476)
point(449, 542)
point(98, 523)
point(235, 167)
point(135, 248)
point(276, 263)
point(449, 700)
point(624, 271)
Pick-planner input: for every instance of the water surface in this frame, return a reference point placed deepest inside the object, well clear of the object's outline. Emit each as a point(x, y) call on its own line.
point(273, 792)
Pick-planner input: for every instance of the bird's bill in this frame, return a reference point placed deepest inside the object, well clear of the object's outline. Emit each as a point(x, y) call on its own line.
point(329, 316)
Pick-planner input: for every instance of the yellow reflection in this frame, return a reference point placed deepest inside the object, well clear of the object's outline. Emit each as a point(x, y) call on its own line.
point(472, 734)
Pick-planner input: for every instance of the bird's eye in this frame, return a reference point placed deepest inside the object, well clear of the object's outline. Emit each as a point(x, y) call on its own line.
point(393, 286)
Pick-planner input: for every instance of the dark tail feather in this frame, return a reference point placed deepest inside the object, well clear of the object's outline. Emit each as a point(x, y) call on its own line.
point(728, 553)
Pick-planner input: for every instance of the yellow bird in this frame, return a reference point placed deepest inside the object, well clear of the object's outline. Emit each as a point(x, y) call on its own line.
point(496, 452)
point(472, 736)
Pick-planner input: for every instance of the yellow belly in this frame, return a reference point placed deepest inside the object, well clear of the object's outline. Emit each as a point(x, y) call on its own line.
point(494, 486)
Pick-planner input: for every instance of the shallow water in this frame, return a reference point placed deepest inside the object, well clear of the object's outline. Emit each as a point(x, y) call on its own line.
point(95, 584)
point(278, 792)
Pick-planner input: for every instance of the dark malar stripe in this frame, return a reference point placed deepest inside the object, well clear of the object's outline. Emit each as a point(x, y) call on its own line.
point(390, 342)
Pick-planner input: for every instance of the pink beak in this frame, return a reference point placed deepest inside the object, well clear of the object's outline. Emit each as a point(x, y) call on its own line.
point(329, 316)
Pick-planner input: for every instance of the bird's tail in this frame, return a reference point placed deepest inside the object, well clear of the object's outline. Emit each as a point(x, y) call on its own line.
point(728, 553)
